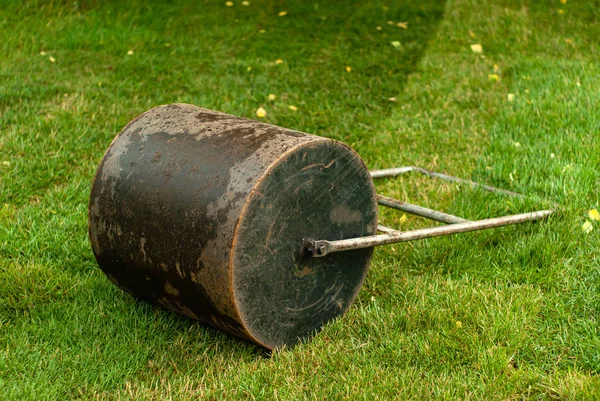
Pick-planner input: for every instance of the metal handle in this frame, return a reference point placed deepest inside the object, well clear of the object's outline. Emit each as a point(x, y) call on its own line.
point(320, 248)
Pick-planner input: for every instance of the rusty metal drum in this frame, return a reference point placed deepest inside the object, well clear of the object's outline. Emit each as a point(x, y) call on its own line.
point(206, 214)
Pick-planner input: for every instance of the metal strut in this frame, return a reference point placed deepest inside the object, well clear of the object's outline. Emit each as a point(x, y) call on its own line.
point(320, 248)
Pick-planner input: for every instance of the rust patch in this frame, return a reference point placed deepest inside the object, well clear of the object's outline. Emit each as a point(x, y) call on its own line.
point(322, 165)
point(303, 272)
point(170, 289)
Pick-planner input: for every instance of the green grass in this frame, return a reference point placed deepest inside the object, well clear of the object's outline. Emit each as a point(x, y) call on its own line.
point(512, 313)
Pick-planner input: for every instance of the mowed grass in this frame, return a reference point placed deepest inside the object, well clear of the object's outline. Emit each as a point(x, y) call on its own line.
point(511, 313)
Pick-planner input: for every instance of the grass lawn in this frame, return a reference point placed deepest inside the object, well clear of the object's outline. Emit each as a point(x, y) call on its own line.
point(512, 313)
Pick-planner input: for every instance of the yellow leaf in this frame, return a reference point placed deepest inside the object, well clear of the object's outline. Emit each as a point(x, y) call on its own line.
point(249, 68)
point(396, 44)
point(282, 13)
point(402, 219)
point(561, 11)
point(476, 48)
point(403, 25)
point(496, 69)
point(260, 112)
point(261, 31)
point(245, 3)
point(563, 1)
point(271, 97)
point(52, 59)
point(392, 99)
point(390, 22)
point(229, 4)
point(472, 34)
point(458, 324)
point(279, 61)
point(42, 53)
point(349, 69)
point(510, 97)
point(292, 107)
point(130, 52)
point(594, 215)
point(493, 77)
point(587, 227)
point(379, 28)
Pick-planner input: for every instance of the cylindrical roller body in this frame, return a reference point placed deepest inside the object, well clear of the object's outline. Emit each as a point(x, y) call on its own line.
point(206, 215)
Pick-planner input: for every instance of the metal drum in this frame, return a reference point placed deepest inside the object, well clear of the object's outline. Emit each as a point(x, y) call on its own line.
point(207, 215)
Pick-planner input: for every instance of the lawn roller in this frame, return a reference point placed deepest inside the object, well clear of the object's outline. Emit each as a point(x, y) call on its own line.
point(260, 231)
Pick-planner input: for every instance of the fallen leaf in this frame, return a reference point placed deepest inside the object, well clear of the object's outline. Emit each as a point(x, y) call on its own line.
point(396, 44)
point(292, 107)
point(379, 28)
point(493, 77)
point(552, 155)
point(472, 34)
point(249, 68)
point(6, 163)
point(282, 13)
point(569, 41)
point(245, 3)
point(458, 324)
point(510, 97)
point(229, 4)
point(42, 53)
point(271, 97)
point(261, 31)
point(392, 99)
point(279, 61)
point(563, 1)
point(260, 112)
point(594, 215)
point(167, 45)
point(476, 48)
point(52, 59)
point(517, 144)
point(496, 68)
point(402, 219)
point(587, 227)
point(403, 25)
point(349, 69)
point(130, 52)
point(561, 11)
point(390, 22)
